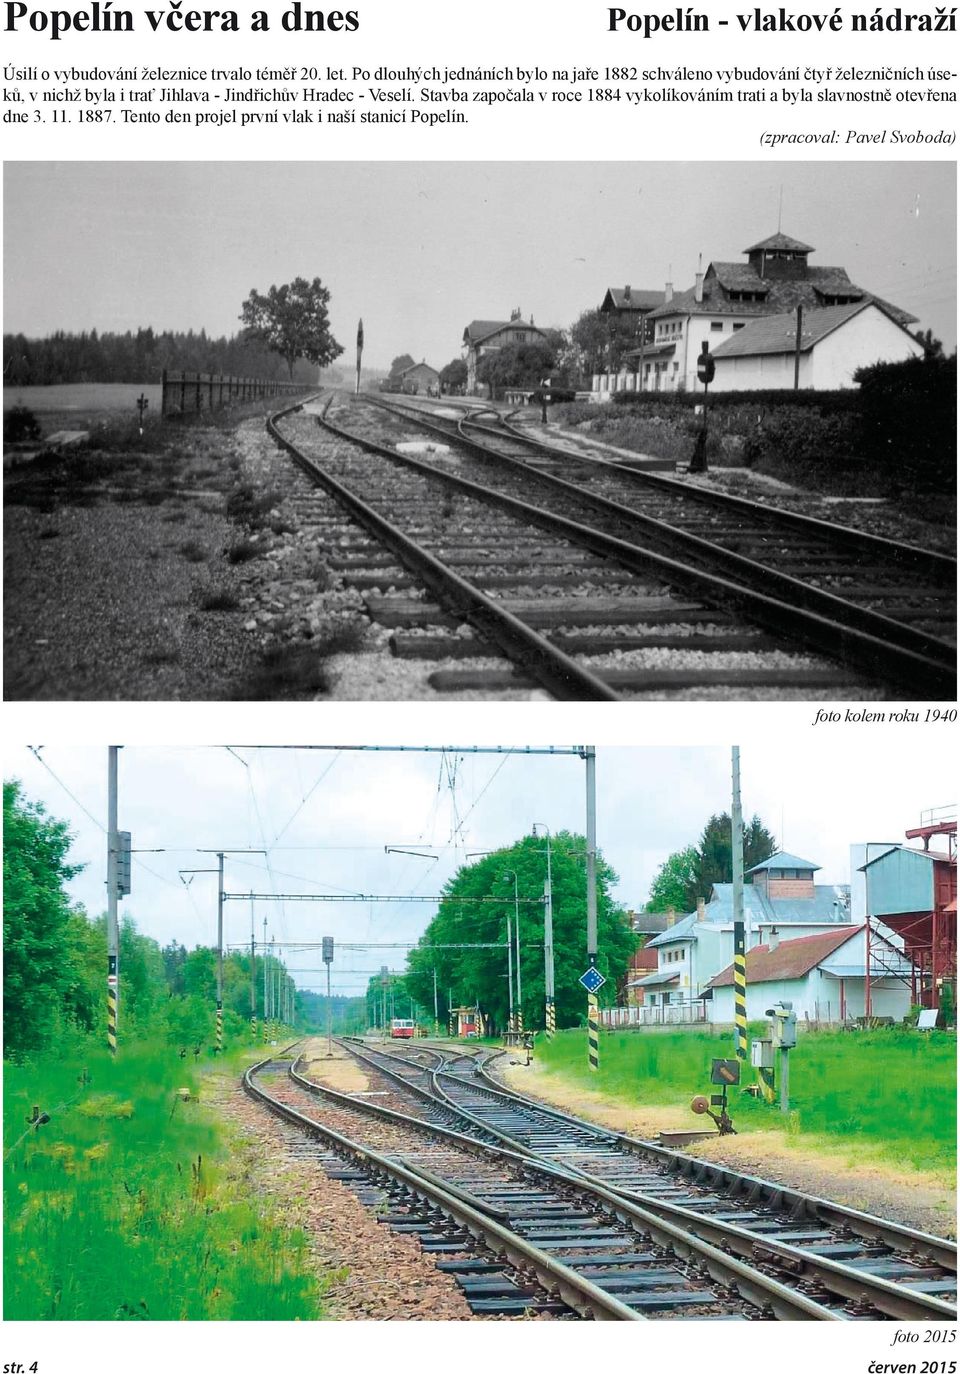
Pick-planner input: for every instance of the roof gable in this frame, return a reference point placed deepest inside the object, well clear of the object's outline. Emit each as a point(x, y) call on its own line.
point(791, 958)
point(780, 243)
point(783, 860)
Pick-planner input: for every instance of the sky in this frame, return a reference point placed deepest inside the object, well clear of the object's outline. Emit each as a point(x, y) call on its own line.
point(327, 818)
point(420, 249)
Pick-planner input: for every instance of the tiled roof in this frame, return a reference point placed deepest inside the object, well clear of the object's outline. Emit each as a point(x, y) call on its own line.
point(826, 907)
point(639, 300)
point(648, 922)
point(780, 295)
point(415, 366)
point(478, 330)
point(654, 980)
point(791, 958)
point(778, 333)
point(780, 242)
point(653, 351)
point(782, 859)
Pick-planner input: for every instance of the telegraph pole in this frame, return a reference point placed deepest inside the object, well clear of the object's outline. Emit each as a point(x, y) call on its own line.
point(510, 1025)
point(113, 893)
point(219, 1044)
point(266, 999)
point(739, 941)
point(511, 873)
point(593, 1013)
point(436, 1010)
point(253, 974)
point(549, 990)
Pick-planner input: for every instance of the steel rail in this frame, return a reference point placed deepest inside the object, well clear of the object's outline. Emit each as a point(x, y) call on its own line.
point(938, 565)
point(762, 1191)
point(851, 646)
point(548, 665)
point(893, 1299)
point(784, 585)
point(575, 1291)
point(759, 1289)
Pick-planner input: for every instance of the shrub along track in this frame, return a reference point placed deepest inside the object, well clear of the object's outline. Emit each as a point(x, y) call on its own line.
point(900, 1272)
point(518, 1234)
point(587, 615)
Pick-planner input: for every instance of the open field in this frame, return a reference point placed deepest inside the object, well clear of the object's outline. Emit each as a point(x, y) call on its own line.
point(884, 1097)
point(81, 405)
point(133, 1204)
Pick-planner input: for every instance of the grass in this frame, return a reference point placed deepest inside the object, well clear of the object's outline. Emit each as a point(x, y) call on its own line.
point(123, 1207)
point(891, 1093)
point(297, 672)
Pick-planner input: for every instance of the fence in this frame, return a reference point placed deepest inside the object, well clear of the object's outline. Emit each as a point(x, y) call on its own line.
point(680, 1014)
point(192, 393)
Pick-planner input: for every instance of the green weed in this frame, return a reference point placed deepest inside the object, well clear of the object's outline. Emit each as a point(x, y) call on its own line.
point(122, 1207)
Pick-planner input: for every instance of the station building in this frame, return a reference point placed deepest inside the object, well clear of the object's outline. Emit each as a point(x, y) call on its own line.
point(486, 336)
point(776, 278)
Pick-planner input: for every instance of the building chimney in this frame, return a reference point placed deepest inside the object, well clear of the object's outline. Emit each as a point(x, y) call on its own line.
point(671, 917)
point(701, 909)
point(668, 293)
point(773, 939)
point(626, 294)
point(698, 289)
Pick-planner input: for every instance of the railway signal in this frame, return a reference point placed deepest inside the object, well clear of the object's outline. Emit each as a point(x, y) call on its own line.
point(142, 403)
point(359, 352)
point(327, 952)
point(706, 368)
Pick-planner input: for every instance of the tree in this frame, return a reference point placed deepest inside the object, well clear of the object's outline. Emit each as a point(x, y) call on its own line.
point(400, 364)
point(292, 320)
point(473, 976)
point(453, 377)
point(521, 364)
point(599, 341)
point(716, 850)
point(676, 883)
point(36, 923)
point(932, 348)
point(690, 873)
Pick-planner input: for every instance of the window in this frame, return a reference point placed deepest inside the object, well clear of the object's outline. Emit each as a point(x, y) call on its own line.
point(716, 326)
point(737, 326)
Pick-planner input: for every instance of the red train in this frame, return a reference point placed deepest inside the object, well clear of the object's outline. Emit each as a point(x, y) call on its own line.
point(402, 1030)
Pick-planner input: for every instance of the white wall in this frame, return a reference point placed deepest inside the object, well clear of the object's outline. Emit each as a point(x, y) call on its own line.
point(869, 337)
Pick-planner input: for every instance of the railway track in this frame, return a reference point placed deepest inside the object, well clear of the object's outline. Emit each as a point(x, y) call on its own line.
point(519, 1235)
point(910, 1273)
point(577, 593)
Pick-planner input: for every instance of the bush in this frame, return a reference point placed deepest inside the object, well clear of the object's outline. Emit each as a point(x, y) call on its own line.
point(20, 425)
point(909, 422)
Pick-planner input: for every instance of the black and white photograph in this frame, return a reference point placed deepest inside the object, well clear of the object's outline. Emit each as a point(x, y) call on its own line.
point(480, 431)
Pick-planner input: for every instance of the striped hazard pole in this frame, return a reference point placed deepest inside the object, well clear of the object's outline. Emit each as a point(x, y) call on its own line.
point(112, 1003)
point(739, 937)
point(593, 1031)
point(551, 1018)
point(740, 989)
point(219, 1046)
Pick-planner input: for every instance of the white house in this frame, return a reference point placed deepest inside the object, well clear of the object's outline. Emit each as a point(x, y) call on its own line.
point(823, 975)
point(776, 277)
point(834, 342)
point(694, 949)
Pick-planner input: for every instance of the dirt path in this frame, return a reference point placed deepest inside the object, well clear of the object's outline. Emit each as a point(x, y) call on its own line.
point(811, 1164)
point(369, 1272)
